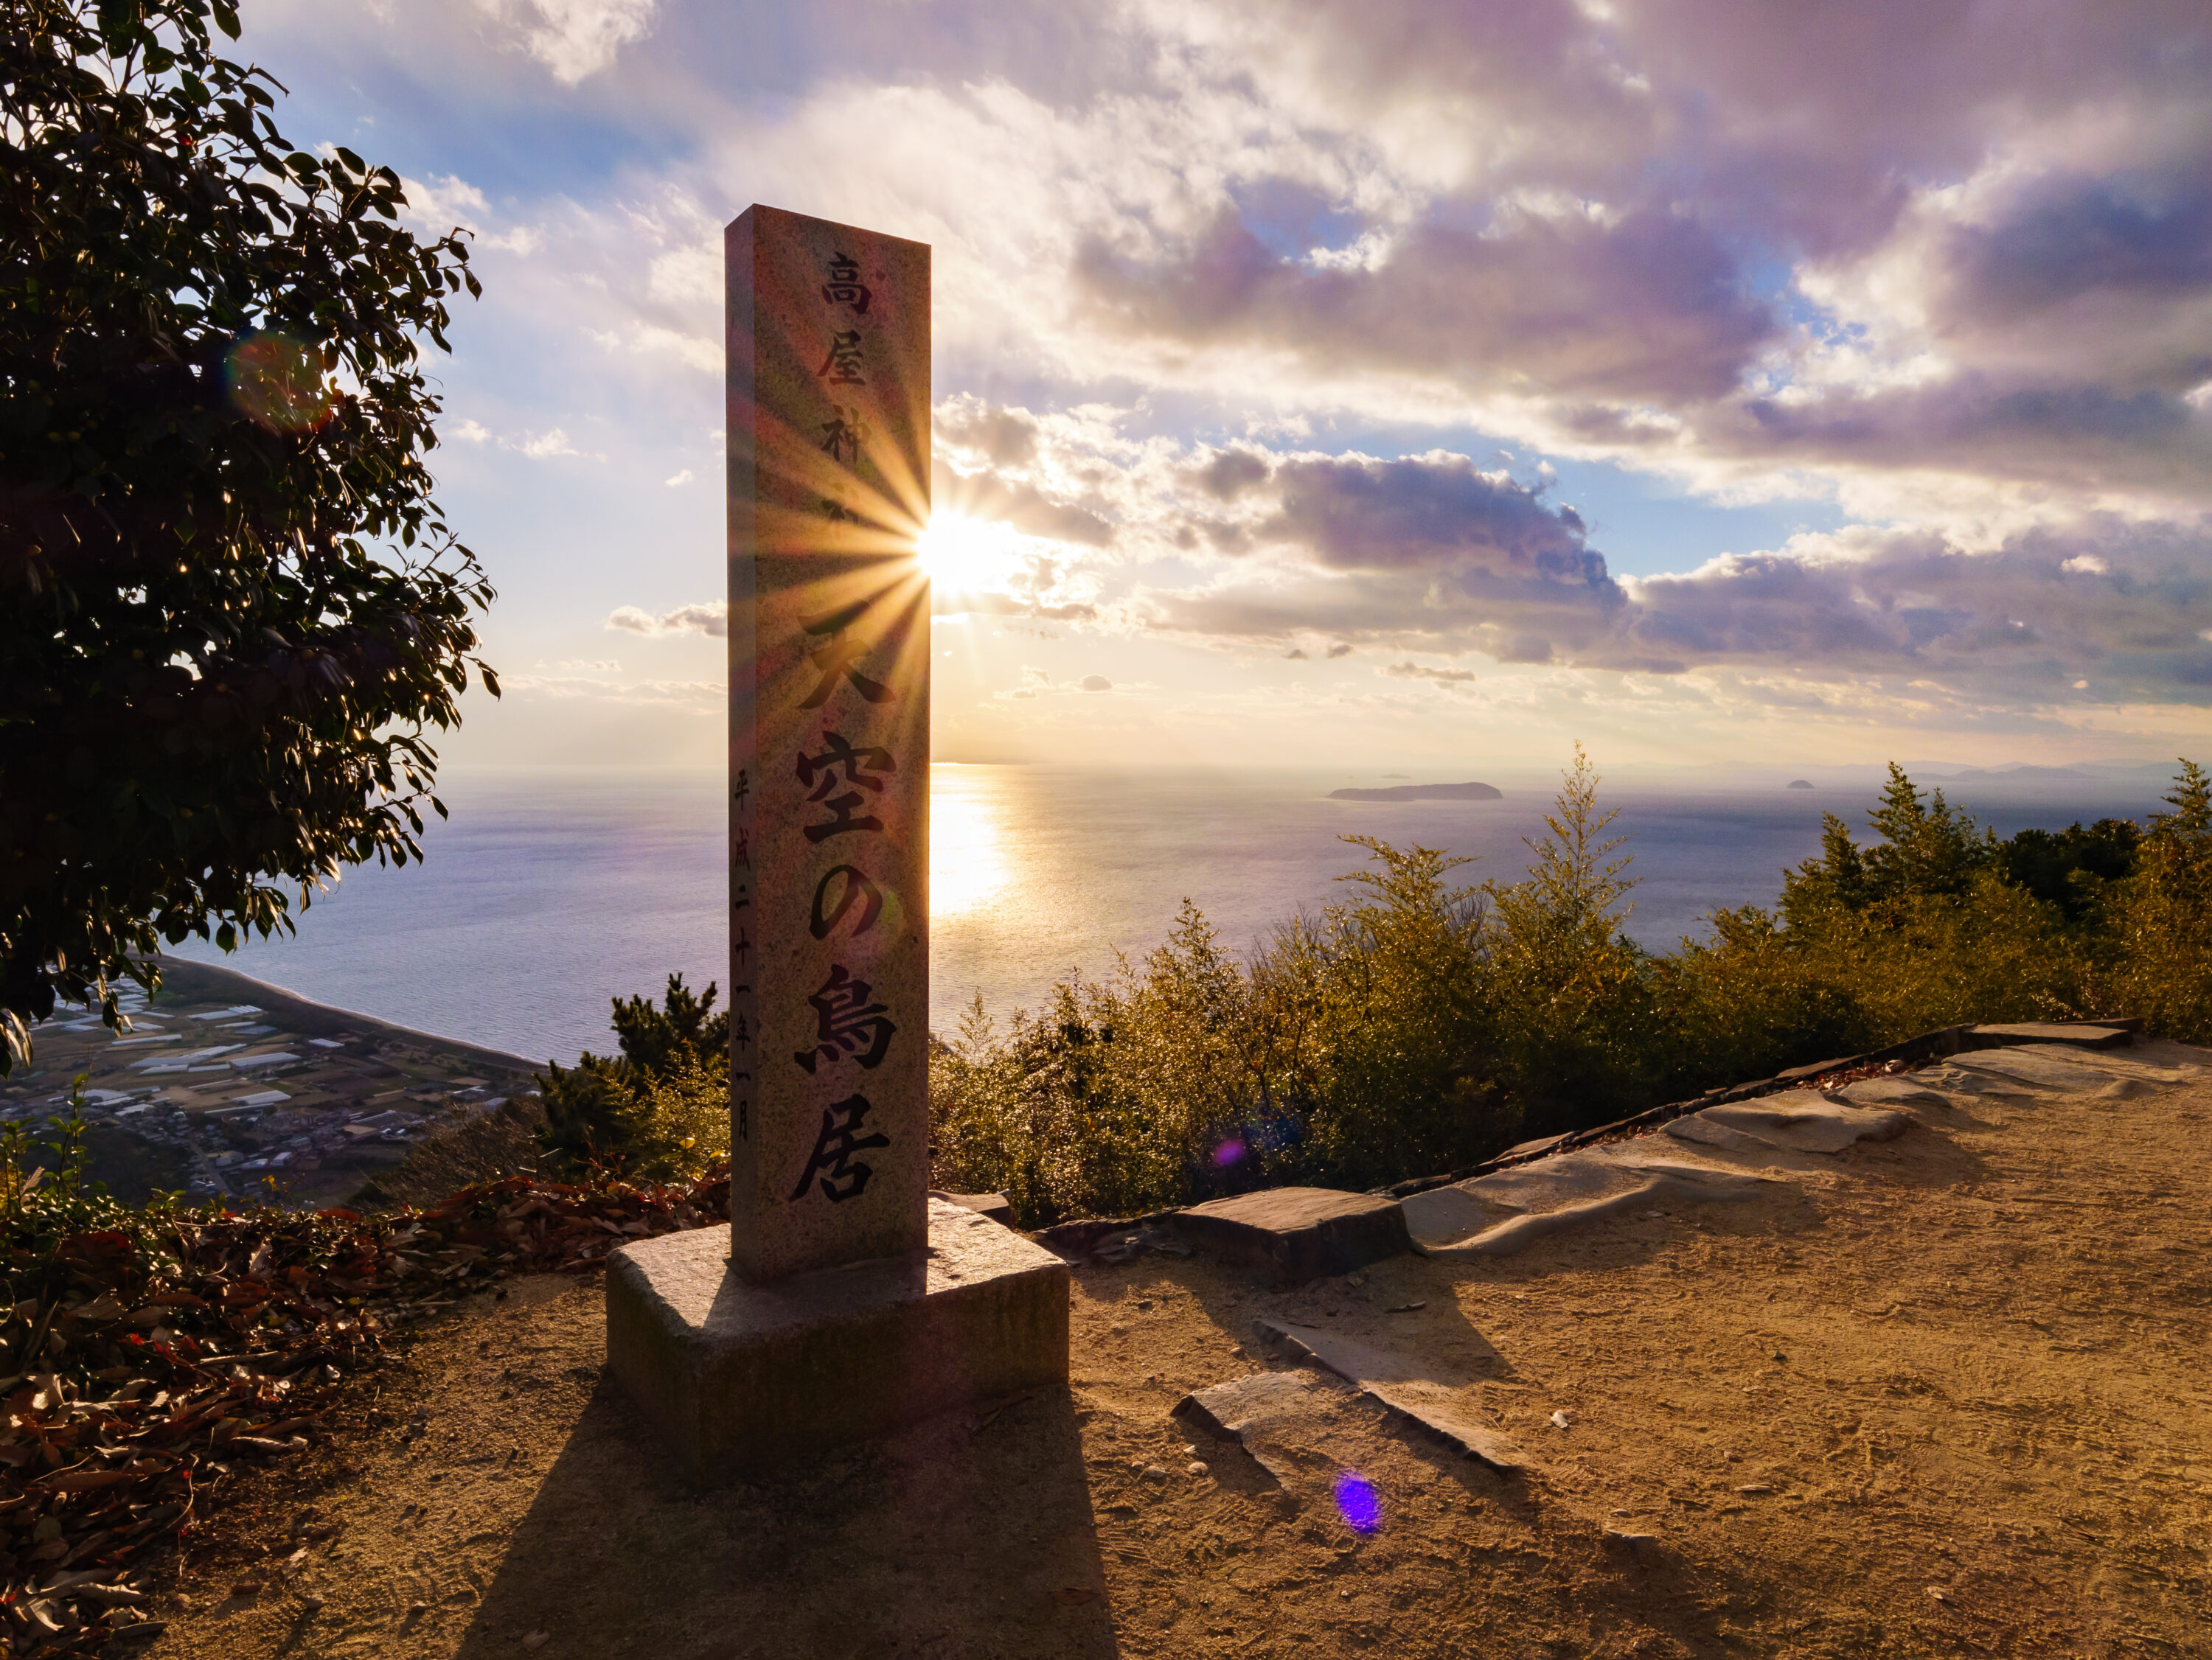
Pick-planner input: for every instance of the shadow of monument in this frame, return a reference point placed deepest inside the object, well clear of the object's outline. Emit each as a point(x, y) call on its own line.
point(969, 1535)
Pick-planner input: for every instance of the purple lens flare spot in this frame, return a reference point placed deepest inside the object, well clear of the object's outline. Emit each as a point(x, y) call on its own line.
point(1357, 1502)
point(1228, 1153)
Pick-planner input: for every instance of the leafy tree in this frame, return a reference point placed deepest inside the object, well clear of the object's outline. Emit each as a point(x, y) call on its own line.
point(661, 1039)
point(1924, 848)
point(1401, 1076)
point(229, 606)
point(2070, 867)
point(1572, 993)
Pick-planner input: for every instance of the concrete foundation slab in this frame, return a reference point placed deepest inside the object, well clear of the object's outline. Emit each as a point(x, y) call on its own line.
point(1801, 1119)
point(1298, 1234)
point(741, 1378)
point(1404, 1383)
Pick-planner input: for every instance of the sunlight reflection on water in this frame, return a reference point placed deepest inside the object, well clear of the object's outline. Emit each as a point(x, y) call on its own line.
point(967, 847)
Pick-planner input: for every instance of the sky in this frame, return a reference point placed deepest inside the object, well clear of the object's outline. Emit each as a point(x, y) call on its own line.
point(1360, 383)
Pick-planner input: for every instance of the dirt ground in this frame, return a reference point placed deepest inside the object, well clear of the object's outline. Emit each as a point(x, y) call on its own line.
point(1949, 1395)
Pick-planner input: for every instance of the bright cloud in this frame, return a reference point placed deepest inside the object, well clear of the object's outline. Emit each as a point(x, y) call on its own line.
point(573, 38)
point(711, 618)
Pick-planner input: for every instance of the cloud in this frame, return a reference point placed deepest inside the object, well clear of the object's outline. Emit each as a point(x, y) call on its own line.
point(1429, 555)
point(1943, 275)
point(987, 494)
point(1427, 512)
point(1003, 437)
point(551, 444)
point(1012, 605)
point(2119, 600)
point(710, 618)
point(699, 695)
point(1230, 472)
point(437, 206)
point(574, 38)
point(1410, 670)
point(1650, 307)
point(1035, 682)
point(682, 477)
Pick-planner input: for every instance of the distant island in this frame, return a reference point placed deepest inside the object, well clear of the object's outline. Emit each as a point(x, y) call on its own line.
point(1422, 792)
point(1798, 784)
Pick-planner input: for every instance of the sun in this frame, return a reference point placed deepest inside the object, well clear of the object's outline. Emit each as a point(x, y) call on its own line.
point(965, 555)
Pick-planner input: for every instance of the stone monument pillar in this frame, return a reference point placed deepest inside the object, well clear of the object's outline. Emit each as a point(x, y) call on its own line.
point(842, 1300)
point(828, 488)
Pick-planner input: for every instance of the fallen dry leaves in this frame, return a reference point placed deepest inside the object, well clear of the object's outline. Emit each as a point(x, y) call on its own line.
point(218, 1338)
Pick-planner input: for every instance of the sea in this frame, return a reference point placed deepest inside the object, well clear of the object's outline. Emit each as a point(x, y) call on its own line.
point(546, 895)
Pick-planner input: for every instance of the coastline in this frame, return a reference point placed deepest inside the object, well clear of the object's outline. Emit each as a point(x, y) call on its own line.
point(183, 979)
point(228, 1086)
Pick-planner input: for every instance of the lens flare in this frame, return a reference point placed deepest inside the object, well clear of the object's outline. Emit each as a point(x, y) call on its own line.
point(278, 382)
point(1357, 1502)
point(1228, 1153)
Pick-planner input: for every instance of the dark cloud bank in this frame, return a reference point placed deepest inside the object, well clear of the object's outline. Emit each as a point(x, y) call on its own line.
point(1431, 552)
point(1671, 191)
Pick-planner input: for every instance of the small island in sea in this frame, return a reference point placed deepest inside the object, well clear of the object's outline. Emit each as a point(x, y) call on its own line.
point(1422, 792)
point(1798, 784)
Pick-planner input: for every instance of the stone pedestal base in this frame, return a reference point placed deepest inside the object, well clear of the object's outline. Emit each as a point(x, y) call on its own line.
point(740, 1378)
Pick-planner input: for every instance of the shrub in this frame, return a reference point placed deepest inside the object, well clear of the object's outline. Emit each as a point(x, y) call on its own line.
point(1574, 999)
point(2158, 954)
point(1380, 1023)
point(1144, 1091)
point(1751, 1000)
point(661, 1107)
point(1418, 1026)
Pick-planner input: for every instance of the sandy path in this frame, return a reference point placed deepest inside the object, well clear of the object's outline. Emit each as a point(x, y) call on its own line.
point(1968, 1367)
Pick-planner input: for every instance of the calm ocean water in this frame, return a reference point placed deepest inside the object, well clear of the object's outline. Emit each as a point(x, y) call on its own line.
point(543, 898)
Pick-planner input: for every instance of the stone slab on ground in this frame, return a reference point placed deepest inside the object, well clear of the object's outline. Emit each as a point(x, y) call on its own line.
point(741, 1377)
point(2067, 1071)
point(1292, 1234)
point(1262, 1401)
point(1254, 1412)
point(1405, 1383)
point(1499, 1215)
point(1951, 1079)
point(1909, 1091)
point(2076, 1037)
point(996, 1206)
point(1802, 1120)
point(2157, 1066)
